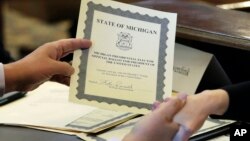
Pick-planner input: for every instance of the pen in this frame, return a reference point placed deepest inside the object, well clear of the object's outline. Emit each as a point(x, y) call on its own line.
point(9, 97)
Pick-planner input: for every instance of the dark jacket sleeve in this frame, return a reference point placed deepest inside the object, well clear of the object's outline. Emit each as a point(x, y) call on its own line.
point(4, 55)
point(239, 102)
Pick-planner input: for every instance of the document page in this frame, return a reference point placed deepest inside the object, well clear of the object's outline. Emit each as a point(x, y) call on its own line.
point(189, 67)
point(119, 132)
point(48, 108)
point(130, 64)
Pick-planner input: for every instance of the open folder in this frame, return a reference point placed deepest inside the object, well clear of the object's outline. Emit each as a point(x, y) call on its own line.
point(210, 129)
point(196, 70)
point(48, 107)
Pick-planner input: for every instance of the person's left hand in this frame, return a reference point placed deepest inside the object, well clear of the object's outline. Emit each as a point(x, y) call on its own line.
point(158, 125)
point(43, 64)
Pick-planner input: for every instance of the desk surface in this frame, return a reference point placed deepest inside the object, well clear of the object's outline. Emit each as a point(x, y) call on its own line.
point(12, 133)
point(207, 23)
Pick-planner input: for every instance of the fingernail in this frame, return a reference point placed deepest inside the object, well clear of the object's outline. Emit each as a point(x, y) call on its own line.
point(155, 105)
point(182, 96)
point(166, 99)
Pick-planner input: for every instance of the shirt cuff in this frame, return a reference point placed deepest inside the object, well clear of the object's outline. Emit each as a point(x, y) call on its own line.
point(2, 80)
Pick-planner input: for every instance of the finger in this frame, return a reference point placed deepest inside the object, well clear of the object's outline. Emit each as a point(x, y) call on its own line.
point(183, 134)
point(156, 104)
point(182, 96)
point(167, 99)
point(62, 68)
point(67, 46)
point(170, 108)
point(65, 81)
point(174, 129)
point(61, 79)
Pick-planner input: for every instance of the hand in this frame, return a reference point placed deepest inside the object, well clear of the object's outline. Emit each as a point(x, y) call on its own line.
point(158, 125)
point(197, 109)
point(41, 65)
point(190, 118)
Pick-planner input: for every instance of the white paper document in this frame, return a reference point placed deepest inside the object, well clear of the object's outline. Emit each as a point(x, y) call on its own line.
point(130, 63)
point(48, 107)
point(212, 124)
point(115, 134)
point(189, 67)
point(221, 138)
point(196, 70)
point(119, 132)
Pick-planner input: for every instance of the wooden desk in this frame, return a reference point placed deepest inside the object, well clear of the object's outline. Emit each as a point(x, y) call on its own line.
point(207, 23)
point(224, 33)
point(12, 133)
point(50, 10)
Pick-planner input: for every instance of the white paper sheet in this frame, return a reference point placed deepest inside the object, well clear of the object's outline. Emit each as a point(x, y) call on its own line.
point(48, 106)
point(118, 133)
point(189, 67)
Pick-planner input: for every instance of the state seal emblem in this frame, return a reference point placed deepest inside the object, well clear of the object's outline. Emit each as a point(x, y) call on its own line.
point(124, 41)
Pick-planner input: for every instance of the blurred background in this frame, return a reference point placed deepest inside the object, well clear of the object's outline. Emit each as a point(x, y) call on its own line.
point(27, 24)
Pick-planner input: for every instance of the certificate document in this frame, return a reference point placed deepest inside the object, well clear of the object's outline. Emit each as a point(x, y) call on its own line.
point(130, 63)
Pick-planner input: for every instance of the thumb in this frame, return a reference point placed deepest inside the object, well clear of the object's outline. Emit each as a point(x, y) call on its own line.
point(63, 68)
point(183, 134)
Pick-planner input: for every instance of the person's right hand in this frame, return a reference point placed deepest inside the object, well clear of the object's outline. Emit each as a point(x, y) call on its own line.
point(158, 125)
point(42, 65)
point(197, 109)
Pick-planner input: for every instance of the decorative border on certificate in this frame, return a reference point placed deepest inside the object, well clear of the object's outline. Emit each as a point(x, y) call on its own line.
point(92, 7)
